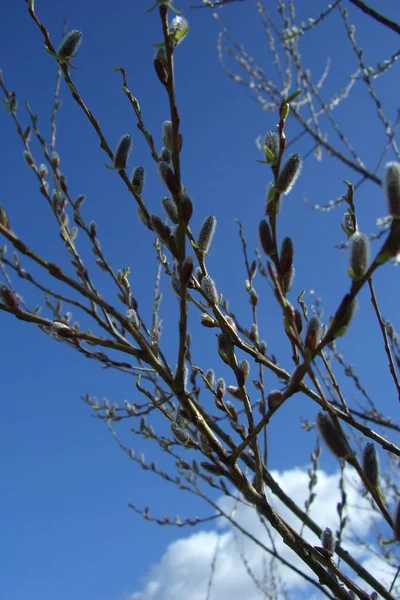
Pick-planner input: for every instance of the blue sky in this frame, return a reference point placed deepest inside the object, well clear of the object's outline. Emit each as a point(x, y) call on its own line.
point(67, 531)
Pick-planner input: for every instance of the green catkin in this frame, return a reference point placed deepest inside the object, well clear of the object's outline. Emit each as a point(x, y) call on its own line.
point(122, 152)
point(69, 46)
point(206, 234)
point(289, 174)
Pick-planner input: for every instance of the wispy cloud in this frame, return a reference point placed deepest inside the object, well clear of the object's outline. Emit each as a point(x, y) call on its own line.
point(243, 569)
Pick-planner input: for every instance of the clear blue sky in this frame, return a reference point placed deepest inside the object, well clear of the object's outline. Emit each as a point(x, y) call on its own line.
point(65, 526)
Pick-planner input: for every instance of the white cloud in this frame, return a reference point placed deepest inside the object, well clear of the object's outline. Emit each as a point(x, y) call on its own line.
point(184, 569)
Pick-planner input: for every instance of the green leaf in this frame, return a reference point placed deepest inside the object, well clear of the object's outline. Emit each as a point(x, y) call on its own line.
point(271, 158)
point(293, 96)
point(181, 33)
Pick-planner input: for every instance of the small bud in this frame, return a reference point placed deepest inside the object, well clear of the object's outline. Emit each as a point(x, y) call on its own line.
point(133, 318)
point(163, 231)
point(178, 29)
point(27, 133)
point(207, 321)
point(274, 399)
point(138, 179)
point(391, 183)
point(342, 319)
point(332, 436)
point(289, 174)
point(204, 444)
point(313, 334)
point(253, 297)
point(167, 135)
point(4, 220)
point(69, 46)
point(348, 224)
point(286, 257)
point(187, 269)
point(181, 416)
point(298, 321)
point(62, 330)
point(160, 65)
point(11, 102)
point(371, 465)
point(225, 349)
point(142, 217)
point(265, 235)
point(168, 178)
point(170, 208)
point(263, 348)
point(231, 323)
point(253, 334)
point(28, 158)
point(55, 160)
point(165, 155)
point(221, 388)
point(8, 297)
point(271, 147)
point(210, 377)
point(206, 234)
point(187, 207)
point(244, 368)
point(359, 255)
point(287, 280)
point(213, 469)
point(209, 289)
point(235, 392)
point(180, 434)
point(232, 412)
point(43, 172)
point(122, 152)
point(328, 542)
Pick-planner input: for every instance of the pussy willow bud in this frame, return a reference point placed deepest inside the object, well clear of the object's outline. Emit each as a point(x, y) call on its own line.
point(122, 152)
point(208, 321)
point(286, 257)
point(187, 207)
point(271, 147)
point(168, 177)
point(204, 444)
point(371, 466)
point(391, 183)
point(298, 320)
point(69, 46)
point(133, 318)
point(208, 287)
point(165, 155)
point(235, 392)
point(231, 323)
point(327, 539)
point(221, 387)
point(289, 174)
point(180, 434)
point(263, 348)
point(232, 412)
point(359, 255)
point(160, 65)
point(313, 334)
point(8, 297)
point(287, 280)
point(11, 102)
point(187, 269)
point(163, 231)
point(244, 371)
point(213, 469)
point(225, 349)
point(170, 208)
point(253, 333)
point(138, 179)
point(178, 29)
point(274, 399)
point(266, 240)
point(342, 318)
point(210, 376)
point(332, 436)
point(4, 220)
point(181, 416)
point(167, 135)
point(206, 234)
point(28, 158)
point(253, 297)
point(348, 225)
